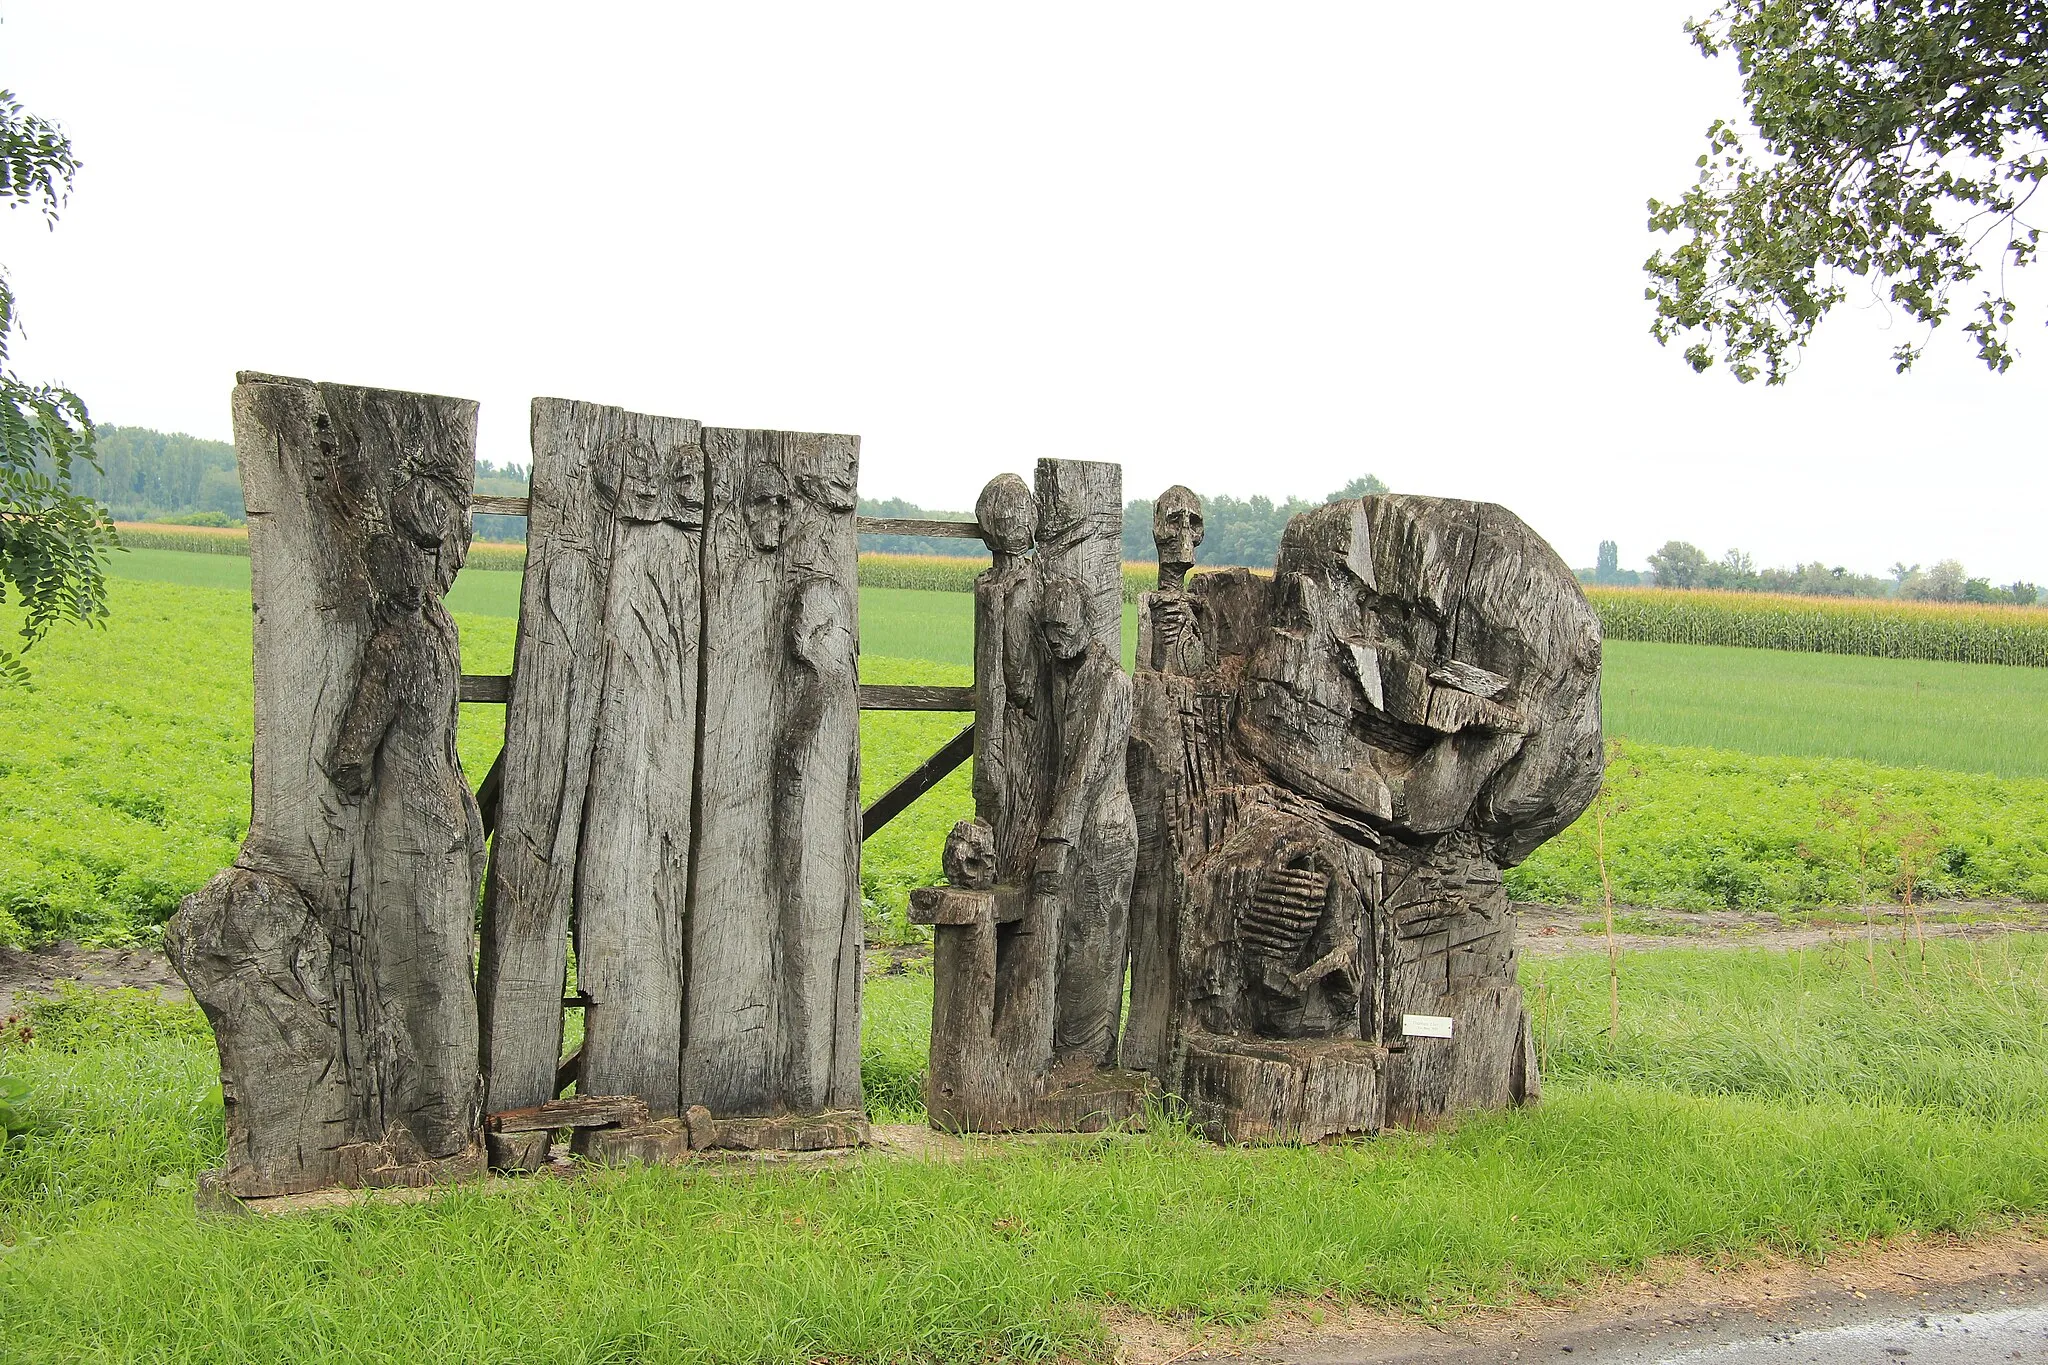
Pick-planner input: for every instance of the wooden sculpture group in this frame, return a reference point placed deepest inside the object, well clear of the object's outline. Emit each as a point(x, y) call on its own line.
point(1281, 840)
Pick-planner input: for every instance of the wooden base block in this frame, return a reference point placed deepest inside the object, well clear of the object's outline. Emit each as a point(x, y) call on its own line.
point(655, 1143)
point(1273, 1091)
point(1105, 1099)
point(776, 1133)
point(518, 1152)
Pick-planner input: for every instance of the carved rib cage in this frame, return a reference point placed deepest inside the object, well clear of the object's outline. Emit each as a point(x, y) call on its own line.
point(1284, 911)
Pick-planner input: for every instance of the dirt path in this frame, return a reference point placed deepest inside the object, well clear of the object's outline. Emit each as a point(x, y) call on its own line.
point(1982, 1299)
point(1546, 931)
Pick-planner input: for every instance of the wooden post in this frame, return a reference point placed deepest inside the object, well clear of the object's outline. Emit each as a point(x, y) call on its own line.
point(333, 958)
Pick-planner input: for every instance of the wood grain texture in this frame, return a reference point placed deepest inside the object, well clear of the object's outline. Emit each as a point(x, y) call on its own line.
point(333, 958)
point(1335, 764)
point(772, 1019)
point(918, 526)
point(1026, 1002)
point(494, 504)
point(911, 697)
point(594, 828)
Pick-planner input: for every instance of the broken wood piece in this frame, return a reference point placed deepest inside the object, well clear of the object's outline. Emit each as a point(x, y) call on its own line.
point(515, 1153)
point(578, 1111)
point(654, 1143)
point(776, 1133)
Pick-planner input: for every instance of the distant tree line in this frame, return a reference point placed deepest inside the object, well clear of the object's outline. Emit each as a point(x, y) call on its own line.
point(1235, 530)
point(147, 475)
point(1679, 564)
point(169, 477)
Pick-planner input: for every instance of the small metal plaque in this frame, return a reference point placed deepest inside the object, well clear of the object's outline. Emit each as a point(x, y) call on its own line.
point(1425, 1026)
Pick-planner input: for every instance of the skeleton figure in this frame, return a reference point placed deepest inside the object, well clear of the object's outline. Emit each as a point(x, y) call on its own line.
point(1168, 630)
point(1009, 662)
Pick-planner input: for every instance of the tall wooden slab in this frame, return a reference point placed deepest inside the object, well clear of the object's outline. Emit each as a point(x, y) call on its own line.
point(333, 958)
point(774, 936)
point(595, 818)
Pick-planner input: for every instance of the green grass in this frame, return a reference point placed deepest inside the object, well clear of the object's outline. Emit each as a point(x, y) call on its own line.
point(1983, 718)
point(124, 774)
point(1755, 1100)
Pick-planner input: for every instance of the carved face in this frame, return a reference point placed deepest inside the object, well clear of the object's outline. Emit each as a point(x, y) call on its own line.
point(826, 475)
point(764, 505)
point(431, 514)
point(970, 856)
point(640, 495)
point(1062, 620)
point(1177, 526)
point(1008, 514)
point(685, 487)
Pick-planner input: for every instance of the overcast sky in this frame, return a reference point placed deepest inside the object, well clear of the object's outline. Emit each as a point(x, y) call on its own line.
point(1256, 248)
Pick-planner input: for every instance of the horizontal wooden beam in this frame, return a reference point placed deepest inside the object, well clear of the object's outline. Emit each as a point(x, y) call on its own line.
point(881, 697)
point(490, 504)
point(922, 779)
point(486, 687)
point(917, 526)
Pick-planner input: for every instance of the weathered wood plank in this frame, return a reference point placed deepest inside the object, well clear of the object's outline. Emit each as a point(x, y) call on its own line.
point(498, 505)
point(914, 526)
point(911, 697)
point(333, 959)
point(487, 688)
point(595, 820)
point(578, 1111)
point(916, 783)
point(775, 926)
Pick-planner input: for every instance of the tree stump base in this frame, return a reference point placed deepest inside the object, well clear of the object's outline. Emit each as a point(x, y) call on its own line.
point(1268, 1091)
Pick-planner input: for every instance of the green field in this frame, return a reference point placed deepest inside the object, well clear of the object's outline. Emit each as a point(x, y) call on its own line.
point(124, 778)
point(1796, 1102)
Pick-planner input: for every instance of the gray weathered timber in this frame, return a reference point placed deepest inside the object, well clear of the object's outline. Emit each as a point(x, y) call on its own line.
point(772, 1016)
point(916, 526)
point(594, 819)
point(1332, 768)
point(911, 697)
point(333, 958)
point(495, 504)
point(1030, 939)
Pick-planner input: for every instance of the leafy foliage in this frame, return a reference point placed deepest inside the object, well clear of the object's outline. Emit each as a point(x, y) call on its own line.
point(51, 537)
point(1900, 142)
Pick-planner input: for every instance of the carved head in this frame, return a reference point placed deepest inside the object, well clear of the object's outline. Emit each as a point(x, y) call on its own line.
point(1176, 530)
point(1063, 616)
point(430, 516)
point(1008, 514)
point(820, 626)
point(970, 856)
point(685, 502)
point(826, 473)
point(639, 494)
point(764, 505)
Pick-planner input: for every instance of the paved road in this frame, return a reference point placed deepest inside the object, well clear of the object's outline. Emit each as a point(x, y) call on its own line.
point(2002, 1317)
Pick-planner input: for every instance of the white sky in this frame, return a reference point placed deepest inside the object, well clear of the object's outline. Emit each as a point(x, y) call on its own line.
point(1256, 248)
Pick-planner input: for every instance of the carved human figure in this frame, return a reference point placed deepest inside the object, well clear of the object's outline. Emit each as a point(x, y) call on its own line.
point(826, 474)
point(815, 797)
point(1168, 631)
point(633, 884)
point(411, 892)
point(764, 505)
point(1176, 531)
point(1088, 844)
point(1009, 664)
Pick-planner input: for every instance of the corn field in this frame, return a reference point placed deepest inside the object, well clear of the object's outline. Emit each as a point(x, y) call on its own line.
point(1962, 632)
